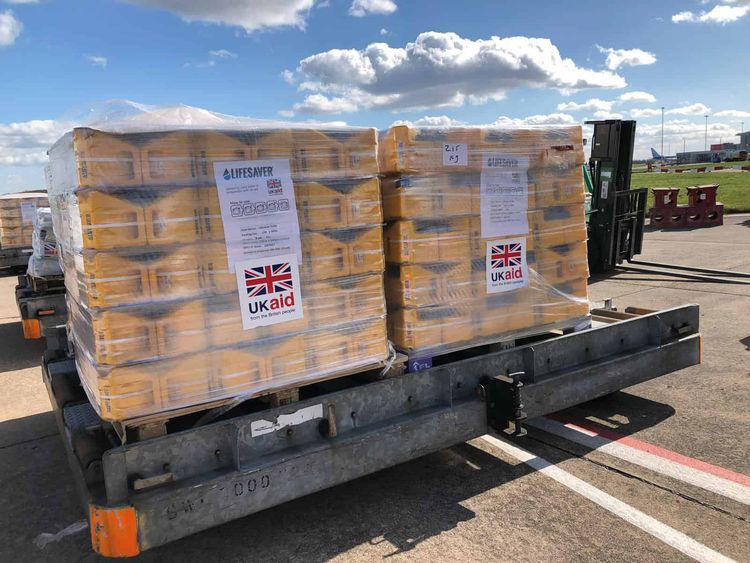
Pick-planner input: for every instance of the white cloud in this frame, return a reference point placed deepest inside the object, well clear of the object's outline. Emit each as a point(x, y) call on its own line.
point(626, 57)
point(685, 16)
point(22, 1)
point(589, 105)
point(361, 8)
point(692, 109)
point(637, 96)
point(318, 103)
point(383, 31)
point(445, 70)
point(97, 60)
point(639, 113)
point(603, 114)
point(675, 131)
point(732, 113)
point(26, 143)
point(431, 121)
point(223, 54)
point(542, 119)
point(10, 28)
point(502, 121)
point(252, 15)
point(726, 12)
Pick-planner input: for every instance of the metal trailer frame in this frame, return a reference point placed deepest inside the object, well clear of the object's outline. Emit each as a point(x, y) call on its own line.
point(14, 259)
point(152, 492)
point(48, 308)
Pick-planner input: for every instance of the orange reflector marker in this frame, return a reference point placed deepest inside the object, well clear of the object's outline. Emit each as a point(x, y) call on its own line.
point(31, 329)
point(700, 349)
point(114, 531)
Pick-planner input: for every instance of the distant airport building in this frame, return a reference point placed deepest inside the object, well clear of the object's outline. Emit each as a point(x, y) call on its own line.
point(694, 157)
point(744, 141)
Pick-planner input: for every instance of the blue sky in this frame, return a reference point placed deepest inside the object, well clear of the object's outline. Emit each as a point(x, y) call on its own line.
point(373, 62)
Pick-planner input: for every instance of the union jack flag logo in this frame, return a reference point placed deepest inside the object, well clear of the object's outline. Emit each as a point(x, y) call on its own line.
point(506, 255)
point(274, 278)
point(273, 183)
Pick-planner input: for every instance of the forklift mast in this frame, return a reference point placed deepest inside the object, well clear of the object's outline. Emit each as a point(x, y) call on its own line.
point(617, 215)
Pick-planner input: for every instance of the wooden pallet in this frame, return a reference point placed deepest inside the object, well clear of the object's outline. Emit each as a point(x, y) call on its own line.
point(425, 359)
point(154, 425)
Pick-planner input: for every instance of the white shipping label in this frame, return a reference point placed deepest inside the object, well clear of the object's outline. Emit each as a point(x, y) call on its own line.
point(258, 209)
point(269, 290)
point(260, 427)
point(28, 211)
point(504, 195)
point(455, 154)
point(506, 267)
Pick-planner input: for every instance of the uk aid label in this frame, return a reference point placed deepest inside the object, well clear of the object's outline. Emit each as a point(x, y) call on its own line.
point(506, 267)
point(269, 290)
point(504, 195)
point(258, 209)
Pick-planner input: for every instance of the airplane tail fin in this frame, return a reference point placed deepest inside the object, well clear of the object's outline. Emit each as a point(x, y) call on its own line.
point(655, 155)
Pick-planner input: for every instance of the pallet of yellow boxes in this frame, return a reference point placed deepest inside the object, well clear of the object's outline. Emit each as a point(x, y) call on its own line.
point(17, 212)
point(485, 235)
point(154, 227)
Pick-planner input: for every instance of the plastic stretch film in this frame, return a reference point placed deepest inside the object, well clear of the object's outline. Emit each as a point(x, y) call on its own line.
point(44, 261)
point(17, 213)
point(485, 235)
point(208, 257)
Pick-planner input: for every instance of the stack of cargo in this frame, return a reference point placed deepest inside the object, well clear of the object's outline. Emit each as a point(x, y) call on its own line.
point(486, 233)
point(17, 213)
point(44, 262)
point(209, 263)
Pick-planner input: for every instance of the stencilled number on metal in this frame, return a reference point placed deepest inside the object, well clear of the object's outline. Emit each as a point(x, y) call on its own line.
point(251, 485)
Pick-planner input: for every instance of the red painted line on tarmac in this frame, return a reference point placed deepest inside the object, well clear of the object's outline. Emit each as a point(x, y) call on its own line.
point(655, 450)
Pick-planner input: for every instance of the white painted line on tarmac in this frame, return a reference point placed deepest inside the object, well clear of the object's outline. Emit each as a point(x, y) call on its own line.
point(691, 475)
point(657, 529)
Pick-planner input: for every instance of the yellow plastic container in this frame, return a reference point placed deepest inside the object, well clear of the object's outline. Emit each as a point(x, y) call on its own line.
point(359, 150)
point(567, 262)
point(106, 160)
point(111, 279)
point(129, 391)
point(180, 327)
point(169, 159)
point(343, 252)
point(112, 220)
point(318, 155)
point(342, 300)
point(436, 283)
point(428, 240)
point(175, 273)
point(338, 203)
point(122, 336)
point(173, 216)
point(554, 226)
point(566, 188)
point(215, 268)
point(446, 195)
point(430, 327)
point(235, 371)
point(184, 382)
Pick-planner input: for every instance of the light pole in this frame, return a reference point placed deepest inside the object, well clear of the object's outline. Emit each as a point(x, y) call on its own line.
point(705, 138)
point(662, 131)
point(684, 143)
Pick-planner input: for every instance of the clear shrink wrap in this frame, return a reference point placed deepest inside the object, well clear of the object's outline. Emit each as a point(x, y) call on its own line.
point(17, 213)
point(44, 262)
point(485, 233)
point(208, 257)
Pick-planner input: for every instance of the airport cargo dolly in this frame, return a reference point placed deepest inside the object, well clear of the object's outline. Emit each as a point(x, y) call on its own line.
point(207, 468)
